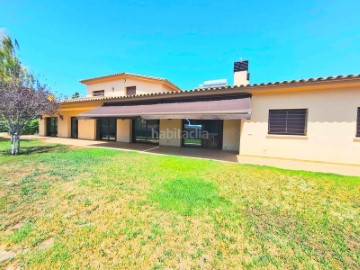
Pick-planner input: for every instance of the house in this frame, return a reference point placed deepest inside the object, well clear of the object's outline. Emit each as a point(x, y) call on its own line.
point(314, 119)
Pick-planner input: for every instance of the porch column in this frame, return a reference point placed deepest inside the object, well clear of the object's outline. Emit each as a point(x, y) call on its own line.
point(64, 127)
point(170, 131)
point(123, 132)
point(87, 129)
point(42, 126)
point(231, 135)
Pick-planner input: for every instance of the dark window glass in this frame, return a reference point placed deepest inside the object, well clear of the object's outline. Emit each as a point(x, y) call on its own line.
point(98, 93)
point(106, 129)
point(74, 127)
point(287, 122)
point(146, 131)
point(131, 91)
point(358, 123)
point(203, 133)
point(51, 126)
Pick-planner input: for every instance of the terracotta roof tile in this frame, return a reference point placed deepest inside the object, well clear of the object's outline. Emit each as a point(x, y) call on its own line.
point(197, 90)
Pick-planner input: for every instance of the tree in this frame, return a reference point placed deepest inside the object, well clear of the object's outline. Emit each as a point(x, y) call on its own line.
point(75, 95)
point(22, 97)
point(9, 63)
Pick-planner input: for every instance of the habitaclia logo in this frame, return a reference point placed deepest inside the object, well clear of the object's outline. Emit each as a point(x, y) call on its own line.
point(178, 134)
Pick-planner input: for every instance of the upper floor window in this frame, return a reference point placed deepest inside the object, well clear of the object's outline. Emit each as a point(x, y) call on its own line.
point(131, 90)
point(287, 122)
point(98, 93)
point(358, 123)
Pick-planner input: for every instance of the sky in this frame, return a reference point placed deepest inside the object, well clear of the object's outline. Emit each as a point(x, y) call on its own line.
point(186, 42)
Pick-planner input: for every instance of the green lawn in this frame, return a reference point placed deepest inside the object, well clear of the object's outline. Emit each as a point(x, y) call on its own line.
point(76, 208)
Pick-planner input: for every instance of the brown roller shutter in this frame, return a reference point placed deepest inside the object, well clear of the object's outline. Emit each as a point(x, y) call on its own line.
point(288, 122)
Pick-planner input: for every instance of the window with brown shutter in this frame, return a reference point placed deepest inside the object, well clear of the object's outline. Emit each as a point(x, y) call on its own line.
point(287, 122)
point(98, 93)
point(131, 90)
point(358, 123)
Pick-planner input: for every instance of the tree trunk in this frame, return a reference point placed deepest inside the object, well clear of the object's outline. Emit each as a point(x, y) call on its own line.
point(15, 144)
point(12, 139)
point(18, 145)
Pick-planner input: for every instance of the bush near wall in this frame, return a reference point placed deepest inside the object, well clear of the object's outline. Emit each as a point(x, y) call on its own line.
point(3, 127)
point(31, 128)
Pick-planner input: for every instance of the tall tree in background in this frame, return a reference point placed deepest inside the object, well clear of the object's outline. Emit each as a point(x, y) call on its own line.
point(9, 63)
point(75, 95)
point(22, 96)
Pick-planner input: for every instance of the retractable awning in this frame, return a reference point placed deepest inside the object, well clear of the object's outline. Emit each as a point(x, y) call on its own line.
point(225, 109)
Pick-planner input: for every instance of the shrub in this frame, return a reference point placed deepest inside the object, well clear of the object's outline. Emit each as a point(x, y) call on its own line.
point(30, 128)
point(3, 127)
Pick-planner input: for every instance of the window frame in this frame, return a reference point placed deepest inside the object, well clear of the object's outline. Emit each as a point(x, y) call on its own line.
point(288, 133)
point(98, 91)
point(127, 89)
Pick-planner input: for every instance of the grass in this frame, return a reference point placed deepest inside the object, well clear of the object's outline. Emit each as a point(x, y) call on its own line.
point(186, 196)
point(21, 234)
point(68, 208)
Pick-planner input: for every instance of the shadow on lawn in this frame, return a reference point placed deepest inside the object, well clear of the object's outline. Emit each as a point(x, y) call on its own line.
point(33, 150)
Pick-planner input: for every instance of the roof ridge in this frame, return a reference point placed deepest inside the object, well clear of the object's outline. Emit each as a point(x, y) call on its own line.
point(123, 73)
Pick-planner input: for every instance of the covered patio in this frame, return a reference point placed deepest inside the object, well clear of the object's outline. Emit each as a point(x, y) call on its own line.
point(206, 123)
point(202, 153)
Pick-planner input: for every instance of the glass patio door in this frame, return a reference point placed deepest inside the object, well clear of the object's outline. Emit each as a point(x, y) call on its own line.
point(203, 133)
point(106, 129)
point(74, 127)
point(192, 133)
point(51, 126)
point(146, 131)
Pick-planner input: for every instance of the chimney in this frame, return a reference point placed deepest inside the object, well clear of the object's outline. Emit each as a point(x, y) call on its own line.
point(241, 74)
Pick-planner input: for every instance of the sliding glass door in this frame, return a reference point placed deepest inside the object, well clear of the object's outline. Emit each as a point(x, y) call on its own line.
point(106, 129)
point(146, 131)
point(203, 133)
point(74, 127)
point(192, 133)
point(51, 126)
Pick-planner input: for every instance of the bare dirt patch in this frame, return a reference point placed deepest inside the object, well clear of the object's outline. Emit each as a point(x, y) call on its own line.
point(6, 255)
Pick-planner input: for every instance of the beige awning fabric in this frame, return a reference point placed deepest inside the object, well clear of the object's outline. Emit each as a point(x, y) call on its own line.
point(226, 109)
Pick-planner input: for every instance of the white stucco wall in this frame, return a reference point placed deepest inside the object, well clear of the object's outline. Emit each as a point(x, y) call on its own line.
point(87, 129)
point(172, 128)
point(231, 135)
point(331, 126)
point(118, 87)
point(64, 127)
point(123, 133)
point(42, 127)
